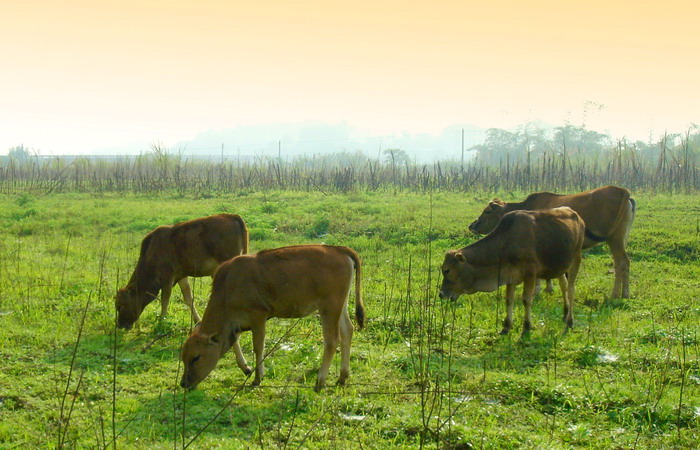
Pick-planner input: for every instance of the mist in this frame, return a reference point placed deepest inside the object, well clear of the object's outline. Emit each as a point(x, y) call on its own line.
point(290, 140)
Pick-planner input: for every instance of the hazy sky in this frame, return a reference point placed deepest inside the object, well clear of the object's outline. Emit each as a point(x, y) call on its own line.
point(80, 75)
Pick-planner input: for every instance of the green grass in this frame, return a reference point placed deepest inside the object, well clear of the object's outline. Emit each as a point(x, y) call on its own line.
point(424, 371)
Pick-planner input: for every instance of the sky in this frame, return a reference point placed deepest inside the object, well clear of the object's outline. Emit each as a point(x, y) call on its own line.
point(76, 76)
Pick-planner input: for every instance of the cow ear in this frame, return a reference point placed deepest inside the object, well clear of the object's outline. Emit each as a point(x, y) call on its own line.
point(214, 339)
point(460, 258)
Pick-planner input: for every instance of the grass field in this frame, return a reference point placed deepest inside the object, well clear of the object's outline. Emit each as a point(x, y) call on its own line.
point(425, 372)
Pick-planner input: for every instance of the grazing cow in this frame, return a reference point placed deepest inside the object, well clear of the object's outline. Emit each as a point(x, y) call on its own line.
point(169, 254)
point(607, 211)
point(287, 282)
point(525, 246)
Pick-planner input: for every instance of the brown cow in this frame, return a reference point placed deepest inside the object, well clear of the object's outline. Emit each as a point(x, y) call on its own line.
point(525, 246)
point(169, 254)
point(607, 211)
point(287, 282)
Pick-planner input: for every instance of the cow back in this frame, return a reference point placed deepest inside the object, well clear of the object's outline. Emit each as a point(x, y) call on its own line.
point(547, 240)
point(601, 209)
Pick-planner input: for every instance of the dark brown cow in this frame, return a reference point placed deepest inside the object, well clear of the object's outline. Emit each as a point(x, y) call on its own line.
point(607, 211)
point(169, 254)
point(287, 282)
point(525, 246)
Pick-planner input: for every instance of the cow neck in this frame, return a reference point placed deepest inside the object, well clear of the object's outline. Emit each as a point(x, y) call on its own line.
point(538, 200)
point(146, 281)
point(147, 291)
point(486, 251)
point(228, 332)
point(224, 329)
point(215, 319)
point(526, 204)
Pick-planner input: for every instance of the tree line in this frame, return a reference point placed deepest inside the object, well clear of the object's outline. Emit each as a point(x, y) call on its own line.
point(528, 159)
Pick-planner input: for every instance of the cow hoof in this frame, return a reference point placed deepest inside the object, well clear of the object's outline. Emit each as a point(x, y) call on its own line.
point(255, 382)
point(320, 384)
point(248, 370)
point(344, 374)
point(505, 331)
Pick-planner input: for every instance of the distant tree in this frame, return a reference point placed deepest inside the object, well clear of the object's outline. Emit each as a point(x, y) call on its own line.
point(581, 139)
point(19, 153)
point(647, 151)
point(533, 139)
point(396, 156)
point(499, 145)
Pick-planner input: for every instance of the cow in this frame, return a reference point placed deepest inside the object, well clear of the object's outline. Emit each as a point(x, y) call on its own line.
point(607, 211)
point(287, 282)
point(170, 254)
point(524, 246)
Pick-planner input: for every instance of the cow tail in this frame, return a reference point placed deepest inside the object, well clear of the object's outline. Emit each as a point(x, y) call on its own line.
point(359, 306)
point(244, 233)
point(620, 212)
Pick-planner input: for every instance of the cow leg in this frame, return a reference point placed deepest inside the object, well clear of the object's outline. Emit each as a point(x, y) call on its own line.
point(528, 293)
point(346, 330)
point(330, 321)
point(258, 329)
point(240, 359)
point(188, 298)
point(510, 298)
point(550, 287)
point(621, 288)
point(564, 286)
point(165, 298)
point(571, 276)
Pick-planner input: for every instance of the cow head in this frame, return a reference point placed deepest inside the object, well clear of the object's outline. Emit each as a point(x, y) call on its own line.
point(489, 217)
point(457, 276)
point(200, 354)
point(130, 302)
point(128, 306)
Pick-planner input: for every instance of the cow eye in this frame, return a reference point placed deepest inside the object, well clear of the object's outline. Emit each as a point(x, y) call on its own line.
point(445, 272)
point(195, 359)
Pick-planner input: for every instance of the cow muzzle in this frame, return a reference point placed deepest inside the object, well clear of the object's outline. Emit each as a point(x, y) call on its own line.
point(186, 383)
point(472, 227)
point(125, 325)
point(444, 295)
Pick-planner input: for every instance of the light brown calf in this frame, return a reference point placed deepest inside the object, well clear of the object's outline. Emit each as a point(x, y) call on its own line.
point(287, 282)
point(607, 211)
point(169, 254)
point(525, 246)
